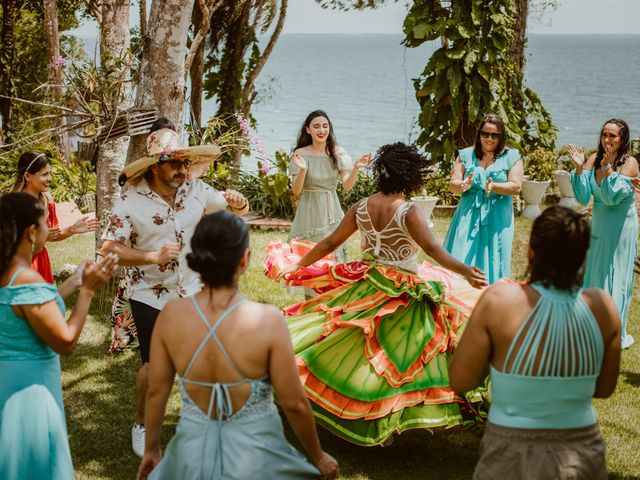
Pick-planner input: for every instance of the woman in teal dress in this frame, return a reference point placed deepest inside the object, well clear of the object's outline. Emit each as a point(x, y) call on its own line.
point(316, 166)
point(486, 176)
point(606, 176)
point(33, 331)
point(229, 354)
point(549, 347)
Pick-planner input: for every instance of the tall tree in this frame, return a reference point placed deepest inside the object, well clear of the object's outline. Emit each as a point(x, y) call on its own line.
point(161, 82)
point(114, 42)
point(472, 73)
point(6, 62)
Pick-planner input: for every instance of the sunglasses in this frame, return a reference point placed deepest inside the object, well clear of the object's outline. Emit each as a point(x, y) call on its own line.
point(174, 163)
point(492, 135)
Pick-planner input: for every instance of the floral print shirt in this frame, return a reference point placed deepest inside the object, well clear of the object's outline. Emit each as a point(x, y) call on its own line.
point(143, 220)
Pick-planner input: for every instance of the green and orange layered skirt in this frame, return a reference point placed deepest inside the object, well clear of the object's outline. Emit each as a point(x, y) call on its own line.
point(373, 347)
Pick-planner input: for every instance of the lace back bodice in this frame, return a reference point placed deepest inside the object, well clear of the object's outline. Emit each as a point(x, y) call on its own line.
point(392, 245)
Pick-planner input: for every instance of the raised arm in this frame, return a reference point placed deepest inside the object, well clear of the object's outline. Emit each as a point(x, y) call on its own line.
point(581, 176)
point(283, 373)
point(298, 167)
point(340, 235)
point(161, 375)
point(458, 184)
point(48, 321)
point(349, 178)
point(422, 235)
point(131, 257)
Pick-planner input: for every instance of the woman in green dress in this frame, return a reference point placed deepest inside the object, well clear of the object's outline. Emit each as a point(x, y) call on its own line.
point(316, 166)
point(606, 176)
point(486, 176)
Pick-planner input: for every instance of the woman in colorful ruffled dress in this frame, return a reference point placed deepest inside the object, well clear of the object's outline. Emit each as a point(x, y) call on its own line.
point(33, 177)
point(606, 176)
point(373, 348)
point(486, 176)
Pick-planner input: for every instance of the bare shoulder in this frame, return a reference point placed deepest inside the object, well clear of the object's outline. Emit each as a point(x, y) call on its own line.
point(501, 293)
point(26, 276)
point(601, 304)
point(630, 167)
point(301, 151)
point(173, 308)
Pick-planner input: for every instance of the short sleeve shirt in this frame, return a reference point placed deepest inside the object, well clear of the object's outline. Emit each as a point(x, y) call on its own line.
point(143, 220)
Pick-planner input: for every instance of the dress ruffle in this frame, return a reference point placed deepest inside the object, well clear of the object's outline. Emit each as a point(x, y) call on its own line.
point(373, 347)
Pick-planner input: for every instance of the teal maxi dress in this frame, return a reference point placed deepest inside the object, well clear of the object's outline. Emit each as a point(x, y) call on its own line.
point(33, 432)
point(614, 238)
point(481, 230)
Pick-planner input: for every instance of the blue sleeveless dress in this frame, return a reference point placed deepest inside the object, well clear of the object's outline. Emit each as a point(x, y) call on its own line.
point(614, 238)
point(481, 230)
point(33, 432)
point(245, 444)
point(542, 423)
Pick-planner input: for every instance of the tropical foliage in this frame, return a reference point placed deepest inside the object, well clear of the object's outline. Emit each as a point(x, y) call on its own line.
point(471, 74)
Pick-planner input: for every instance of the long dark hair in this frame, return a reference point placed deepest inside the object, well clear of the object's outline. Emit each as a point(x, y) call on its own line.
point(625, 143)
point(29, 162)
point(498, 122)
point(559, 241)
point(18, 211)
point(217, 245)
point(304, 138)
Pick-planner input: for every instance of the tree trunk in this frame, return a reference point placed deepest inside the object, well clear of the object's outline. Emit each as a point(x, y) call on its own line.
point(143, 18)
point(196, 73)
point(6, 62)
point(114, 40)
point(55, 72)
point(517, 50)
point(161, 85)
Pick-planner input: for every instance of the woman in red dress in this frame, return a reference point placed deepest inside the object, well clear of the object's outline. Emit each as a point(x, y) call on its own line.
point(33, 177)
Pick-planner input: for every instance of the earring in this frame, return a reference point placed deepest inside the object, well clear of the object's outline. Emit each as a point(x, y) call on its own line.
point(33, 246)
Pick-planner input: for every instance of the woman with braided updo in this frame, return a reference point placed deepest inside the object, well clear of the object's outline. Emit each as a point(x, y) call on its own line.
point(486, 176)
point(606, 176)
point(373, 346)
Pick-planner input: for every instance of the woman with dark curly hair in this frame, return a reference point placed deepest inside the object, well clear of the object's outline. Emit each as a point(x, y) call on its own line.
point(606, 176)
point(486, 176)
point(373, 346)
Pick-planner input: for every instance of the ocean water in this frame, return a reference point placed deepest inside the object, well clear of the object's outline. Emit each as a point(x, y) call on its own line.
point(365, 84)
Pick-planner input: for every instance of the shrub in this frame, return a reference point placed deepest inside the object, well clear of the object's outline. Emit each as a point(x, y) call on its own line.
point(540, 164)
point(438, 186)
point(365, 186)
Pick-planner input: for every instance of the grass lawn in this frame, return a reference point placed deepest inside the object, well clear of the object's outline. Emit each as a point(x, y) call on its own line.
point(99, 394)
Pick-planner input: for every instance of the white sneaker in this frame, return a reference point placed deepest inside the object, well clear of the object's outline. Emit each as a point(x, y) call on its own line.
point(137, 439)
point(627, 341)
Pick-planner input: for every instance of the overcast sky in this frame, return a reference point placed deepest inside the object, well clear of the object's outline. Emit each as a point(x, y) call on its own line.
point(571, 17)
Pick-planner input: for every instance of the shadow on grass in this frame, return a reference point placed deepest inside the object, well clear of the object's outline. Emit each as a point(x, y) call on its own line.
point(632, 378)
point(99, 394)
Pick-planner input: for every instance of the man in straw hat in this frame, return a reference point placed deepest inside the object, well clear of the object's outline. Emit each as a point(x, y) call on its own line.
point(150, 229)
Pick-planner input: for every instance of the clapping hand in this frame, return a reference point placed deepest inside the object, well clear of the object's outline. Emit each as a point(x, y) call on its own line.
point(235, 199)
point(635, 184)
point(488, 186)
point(299, 161)
point(466, 183)
point(475, 277)
point(606, 158)
point(168, 252)
point(637, 265)
point(84, 225)
point(577, 156)
point(364, 161)
point(53, 234)
point(94, 275)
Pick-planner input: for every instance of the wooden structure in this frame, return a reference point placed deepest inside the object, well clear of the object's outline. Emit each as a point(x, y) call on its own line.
point(128, 123)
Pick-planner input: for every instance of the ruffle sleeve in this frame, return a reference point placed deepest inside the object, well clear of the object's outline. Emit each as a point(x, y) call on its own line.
point(615, 188)
point(28, 294)
point(345, 163)
point(582, 185)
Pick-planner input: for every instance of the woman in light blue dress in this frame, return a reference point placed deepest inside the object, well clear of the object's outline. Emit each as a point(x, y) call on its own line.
point(228, 353)
point(549, 347)
point(606, 176)
point(486, 176)
point(33, 330)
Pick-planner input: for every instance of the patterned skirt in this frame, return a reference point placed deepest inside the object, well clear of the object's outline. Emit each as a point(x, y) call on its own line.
point(373, 347)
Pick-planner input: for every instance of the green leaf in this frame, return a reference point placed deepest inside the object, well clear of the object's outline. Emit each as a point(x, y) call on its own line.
point(420, 31)
point(455, 53)
point(465, 31)
point(454, 77)
point(469, 61)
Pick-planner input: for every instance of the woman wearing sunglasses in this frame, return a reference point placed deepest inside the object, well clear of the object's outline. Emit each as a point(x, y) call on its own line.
point(486, 176)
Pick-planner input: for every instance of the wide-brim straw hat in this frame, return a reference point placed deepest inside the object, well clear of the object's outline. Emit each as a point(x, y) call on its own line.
point(165, 142)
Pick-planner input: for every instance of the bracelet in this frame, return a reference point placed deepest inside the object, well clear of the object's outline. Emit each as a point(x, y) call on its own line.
point(606, 167)
point(246, 204)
